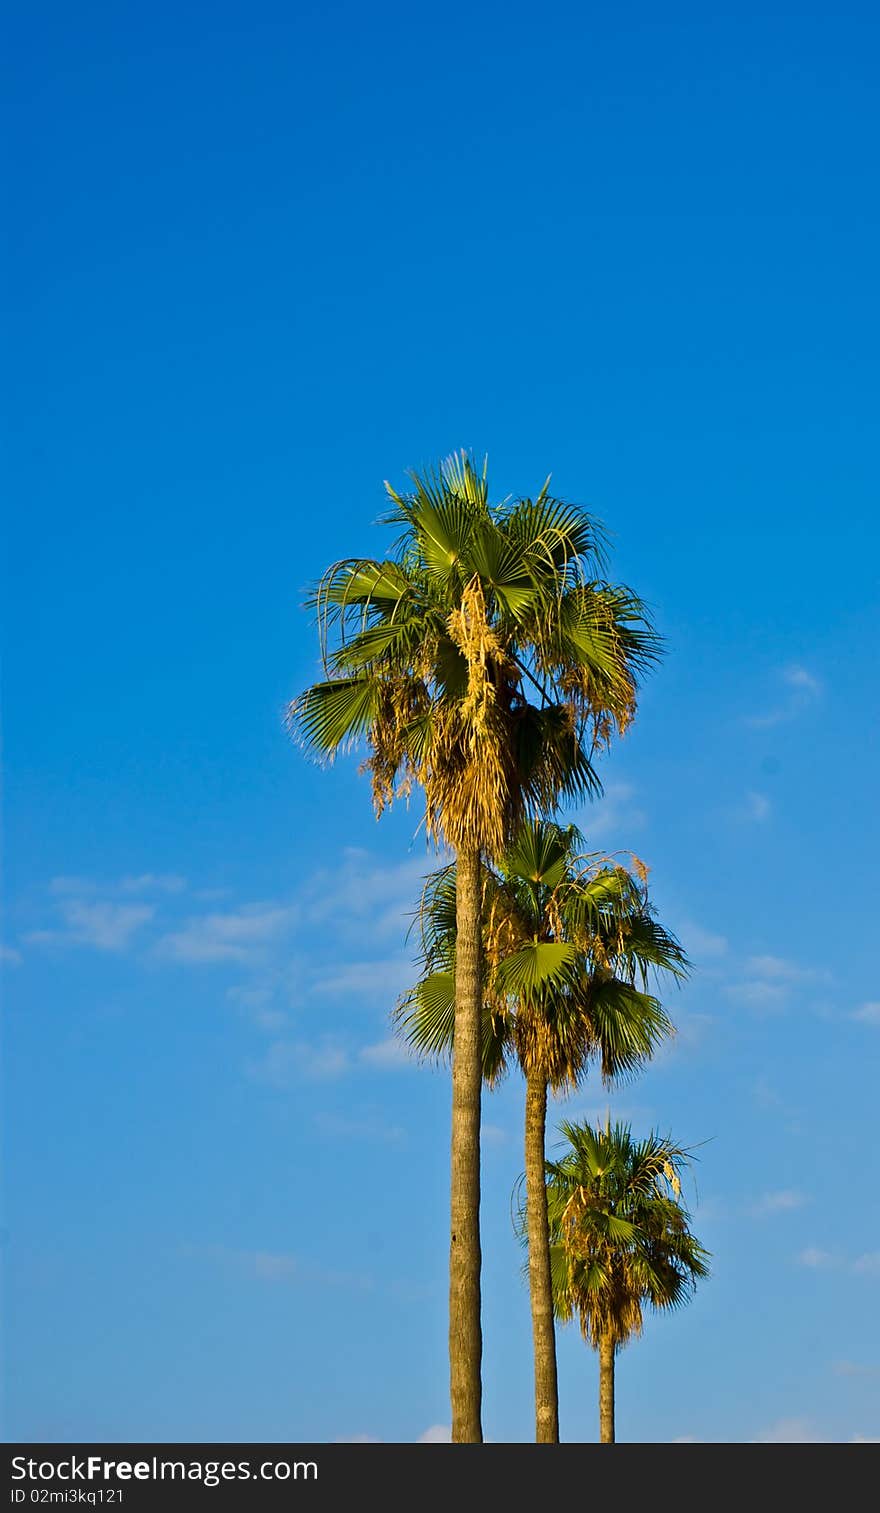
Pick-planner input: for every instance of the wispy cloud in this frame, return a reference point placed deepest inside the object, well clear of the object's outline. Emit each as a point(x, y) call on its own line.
point(257, 1002)
point(816, 1258)
point(865, 1265)
point(801, 690)
point(760, 995)
point(789, 1431)
point(240, 935)
point(286, 1062)
point(10, 955)
point(614, 815)
point(768, 981)
point(143, 882)
point(104, 926)
point(379, 981)
point(368, 1126)
point(365, 898)
point(757, 806)
point(778, 1202)
point(438, 1434)
point(700, 943)
point(781, 970)
point(804, 681)
point(275, 1267)
point(153, 882)
point(854, 1368)
point(387, 1054)
point(868, 1013)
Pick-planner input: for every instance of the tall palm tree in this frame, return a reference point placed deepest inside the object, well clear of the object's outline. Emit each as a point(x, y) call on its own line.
point(485, 660)
point(621, 1239)
point(570, 942)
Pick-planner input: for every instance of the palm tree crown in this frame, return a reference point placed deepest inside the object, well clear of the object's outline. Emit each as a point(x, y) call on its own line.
point(571, 944)
point(620, 1230)
point(484, 659)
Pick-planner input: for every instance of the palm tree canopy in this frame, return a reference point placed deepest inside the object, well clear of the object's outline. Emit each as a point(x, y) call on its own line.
point(571, 946)
point(620, 1232)
point(486, 658)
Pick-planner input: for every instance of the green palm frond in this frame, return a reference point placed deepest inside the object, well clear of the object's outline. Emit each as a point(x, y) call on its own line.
point(479, 659)
point(567, 937)
point(425, 1020)
point(537, 970)
point(629, 1026)
point(620, 1233)
point(335, 714)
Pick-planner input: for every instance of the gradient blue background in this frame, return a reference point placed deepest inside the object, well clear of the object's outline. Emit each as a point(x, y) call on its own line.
point(260, 258)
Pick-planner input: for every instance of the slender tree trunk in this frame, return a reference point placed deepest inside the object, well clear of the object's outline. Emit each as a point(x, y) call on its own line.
point(606, 1390)
point(465, 1331)
point(540, 1284)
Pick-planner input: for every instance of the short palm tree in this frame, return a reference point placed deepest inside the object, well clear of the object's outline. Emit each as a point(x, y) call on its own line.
point(570, 942)
point(484, 660)
point(620, 1239)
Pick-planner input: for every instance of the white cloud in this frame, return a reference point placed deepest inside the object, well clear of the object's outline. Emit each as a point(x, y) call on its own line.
point(366, 981)
point(804, 690)
point(699, 942)
point(814, 1257)
point(758, 806)
point(275, 1266)
point(865, 1265)
point(257, 1002)
point(387, 1054)
point(366, 899)
point(144, 882)
point(438, 1434)
point(761, 995)
point(613, 814)
point(237, 936)
point(788, 1431)
point(493, 1134)
point(778, 1202)
point(770, 980)
point(288, 1061)
point(778, 968)
point(369, 1126)
point(10, 955)
point(853, 1368)
point(153, 882)
point(690, 1034)
point(106, 927)
point(272, 1268)
point(799, 677)
point(868, 1013)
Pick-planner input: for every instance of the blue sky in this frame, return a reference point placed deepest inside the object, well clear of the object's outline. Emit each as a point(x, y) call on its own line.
point(261, 258)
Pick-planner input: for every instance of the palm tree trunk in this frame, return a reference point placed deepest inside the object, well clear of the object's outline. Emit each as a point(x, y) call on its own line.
point(540, 1284)
point(465, 1332)
point(606, 1390)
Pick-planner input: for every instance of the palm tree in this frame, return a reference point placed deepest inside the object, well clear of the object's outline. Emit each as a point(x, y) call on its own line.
point(485, 660)
point(621, 1239)
point(569, 942)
